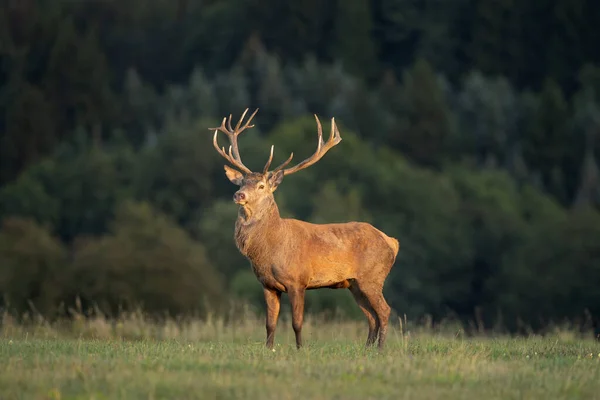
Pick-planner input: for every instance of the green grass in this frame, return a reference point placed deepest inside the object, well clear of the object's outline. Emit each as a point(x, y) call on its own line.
point(134, 359)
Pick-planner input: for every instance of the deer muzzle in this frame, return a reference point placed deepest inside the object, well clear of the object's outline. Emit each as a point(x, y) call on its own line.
point(239, 197)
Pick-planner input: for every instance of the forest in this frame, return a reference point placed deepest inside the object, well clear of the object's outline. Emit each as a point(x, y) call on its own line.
point(471, 132)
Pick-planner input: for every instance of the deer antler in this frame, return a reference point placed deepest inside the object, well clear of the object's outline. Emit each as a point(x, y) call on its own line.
point(322, 148)
point(283, 164)
point(233, 156)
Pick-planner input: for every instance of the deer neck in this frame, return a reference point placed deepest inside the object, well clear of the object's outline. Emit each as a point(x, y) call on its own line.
point(256, 230)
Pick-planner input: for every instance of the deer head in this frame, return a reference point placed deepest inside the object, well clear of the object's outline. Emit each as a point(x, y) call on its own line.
point(256, 188)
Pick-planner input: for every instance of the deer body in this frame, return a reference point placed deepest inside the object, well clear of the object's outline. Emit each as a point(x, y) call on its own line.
point(292, 256)
point(289, 252)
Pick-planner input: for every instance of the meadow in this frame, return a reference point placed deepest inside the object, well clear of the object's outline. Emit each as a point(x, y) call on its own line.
point(134, 358)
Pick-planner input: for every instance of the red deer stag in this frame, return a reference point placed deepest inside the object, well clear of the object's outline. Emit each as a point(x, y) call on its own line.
point(288, 255)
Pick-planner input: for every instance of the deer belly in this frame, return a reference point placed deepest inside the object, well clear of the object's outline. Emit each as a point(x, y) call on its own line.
point(333, 275)
point(329, 283)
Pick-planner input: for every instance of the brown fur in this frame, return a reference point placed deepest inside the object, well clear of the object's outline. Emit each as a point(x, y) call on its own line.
point(288, 255)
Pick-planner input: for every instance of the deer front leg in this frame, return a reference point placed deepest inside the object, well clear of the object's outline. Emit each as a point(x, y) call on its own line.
point(297, 302)
point(273, 300)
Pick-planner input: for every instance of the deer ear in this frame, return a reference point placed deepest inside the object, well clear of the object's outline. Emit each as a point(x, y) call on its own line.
point(275, 179)
point(234, 176)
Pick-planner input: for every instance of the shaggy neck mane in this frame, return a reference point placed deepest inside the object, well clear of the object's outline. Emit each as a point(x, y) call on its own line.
point(254, 229)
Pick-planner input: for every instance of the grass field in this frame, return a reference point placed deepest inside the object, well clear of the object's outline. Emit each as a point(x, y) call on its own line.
point(134, 359)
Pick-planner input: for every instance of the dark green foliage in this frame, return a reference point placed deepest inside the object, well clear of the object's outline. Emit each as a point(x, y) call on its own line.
point(425, 125)
point(177, 172)
point(75, 192)
point(498, 214)
point(16, 149)
point(353, 42)
point(561, 257)
point(487, 122)
point(145, 261)
point(471, 132)
point(216, 233)
point(422, 210)
point(33, 267)
point(547, 141)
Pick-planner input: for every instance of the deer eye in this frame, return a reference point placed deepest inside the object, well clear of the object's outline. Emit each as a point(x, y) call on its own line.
point(261, 186)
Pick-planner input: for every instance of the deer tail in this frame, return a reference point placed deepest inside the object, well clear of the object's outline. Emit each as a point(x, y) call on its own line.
point(394, 244)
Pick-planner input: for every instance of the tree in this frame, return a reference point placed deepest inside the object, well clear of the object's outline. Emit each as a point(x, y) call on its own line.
point(325, 89)
point(352, 42)
point(488, 113)
point(587, 125)
point(216, 233)
point(29, 198)
point(77, 80)
point(348, 205)
point(231, 92)
point(33, 267)
point(498, 213)
point(30, 129)
point(293, 29)
point(177, 174)
point(184, 105)
point(422, 210)
point(266, 82)
point(426, 122)
point(142, 111)
point(548, 146)
point(75, 191)
point(145, 261)
point(552, 276)
point(397, 30)
point(495, 35)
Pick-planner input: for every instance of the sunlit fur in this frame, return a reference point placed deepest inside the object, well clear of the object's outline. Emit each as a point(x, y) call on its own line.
point(288, 255)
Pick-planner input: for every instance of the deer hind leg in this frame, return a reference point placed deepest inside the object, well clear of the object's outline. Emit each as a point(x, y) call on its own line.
point(273, 300)
point(297, 301)
point(373, 292)
point(382, 310)
point(369, 312)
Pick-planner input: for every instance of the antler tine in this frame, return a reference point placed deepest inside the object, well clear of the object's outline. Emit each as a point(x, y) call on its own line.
point(223, 128)
point(237, 126)
point(285, 163)
point(322, 147)
point(247, 125)
point(334, 130)
point(319, 133)
point(268, 164)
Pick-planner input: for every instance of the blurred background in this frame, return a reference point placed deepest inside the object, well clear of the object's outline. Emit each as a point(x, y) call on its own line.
point(471, 133)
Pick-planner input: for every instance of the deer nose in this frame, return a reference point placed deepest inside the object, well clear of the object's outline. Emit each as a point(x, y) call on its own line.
point(239, 196)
